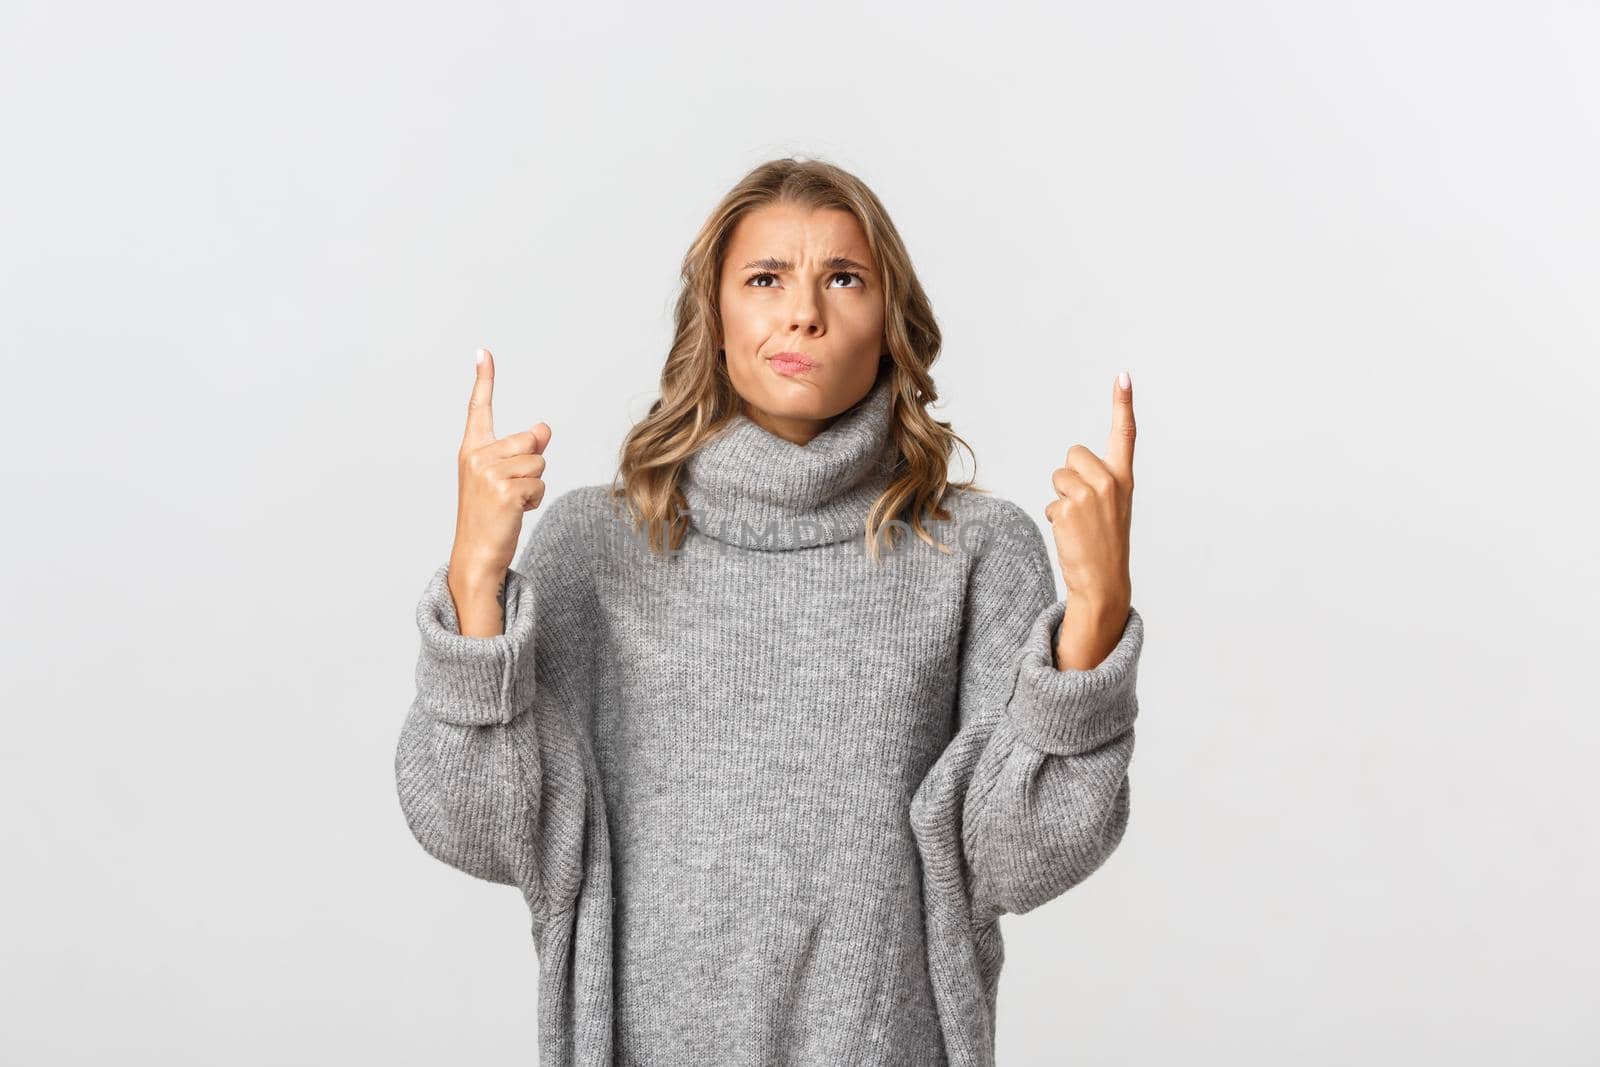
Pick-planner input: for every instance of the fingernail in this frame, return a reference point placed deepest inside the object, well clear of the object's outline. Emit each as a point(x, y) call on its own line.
point(1124, 381)
point(479, 357)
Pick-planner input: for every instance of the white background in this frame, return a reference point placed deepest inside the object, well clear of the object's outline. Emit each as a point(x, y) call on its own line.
point(1346, 250)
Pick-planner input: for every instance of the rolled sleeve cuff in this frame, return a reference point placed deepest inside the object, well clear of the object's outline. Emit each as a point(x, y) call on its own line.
point(1071, 711)
point(474, 681)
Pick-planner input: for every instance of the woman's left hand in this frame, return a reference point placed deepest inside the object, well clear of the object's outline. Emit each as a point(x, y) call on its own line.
point(1091, 516)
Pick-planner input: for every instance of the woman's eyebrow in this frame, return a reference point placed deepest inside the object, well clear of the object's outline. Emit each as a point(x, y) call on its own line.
point(832, 263)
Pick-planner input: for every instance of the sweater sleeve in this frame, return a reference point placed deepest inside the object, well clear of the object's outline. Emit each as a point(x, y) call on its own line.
point(488, 772)
point(1048, 798)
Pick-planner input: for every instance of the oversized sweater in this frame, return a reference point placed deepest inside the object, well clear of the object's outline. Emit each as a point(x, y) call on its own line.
point(766, 799)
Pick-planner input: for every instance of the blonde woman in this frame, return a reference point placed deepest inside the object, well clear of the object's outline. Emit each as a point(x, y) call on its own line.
point(772, 729)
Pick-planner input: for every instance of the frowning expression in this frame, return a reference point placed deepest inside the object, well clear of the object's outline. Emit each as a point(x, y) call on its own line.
point(802, 316)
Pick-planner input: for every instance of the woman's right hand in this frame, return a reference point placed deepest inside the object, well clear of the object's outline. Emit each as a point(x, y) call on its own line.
point(500, 480)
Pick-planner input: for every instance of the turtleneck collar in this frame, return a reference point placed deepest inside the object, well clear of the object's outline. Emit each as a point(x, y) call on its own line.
point(751, 488)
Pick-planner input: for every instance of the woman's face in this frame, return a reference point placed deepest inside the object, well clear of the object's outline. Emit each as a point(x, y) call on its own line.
point(800, 281)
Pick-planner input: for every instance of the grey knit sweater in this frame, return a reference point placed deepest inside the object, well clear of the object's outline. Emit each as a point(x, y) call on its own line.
point(766, 799)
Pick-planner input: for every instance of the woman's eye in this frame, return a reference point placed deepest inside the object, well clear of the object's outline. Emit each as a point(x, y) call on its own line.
point(837, 274)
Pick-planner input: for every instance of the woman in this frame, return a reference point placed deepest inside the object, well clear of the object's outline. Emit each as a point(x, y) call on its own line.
point(766, 756)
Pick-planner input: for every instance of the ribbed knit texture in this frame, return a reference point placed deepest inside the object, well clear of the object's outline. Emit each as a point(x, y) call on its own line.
point(766, 799)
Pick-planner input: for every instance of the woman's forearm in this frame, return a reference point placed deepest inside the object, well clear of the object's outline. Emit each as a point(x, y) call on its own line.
point(1090, 629)
point(480, 603)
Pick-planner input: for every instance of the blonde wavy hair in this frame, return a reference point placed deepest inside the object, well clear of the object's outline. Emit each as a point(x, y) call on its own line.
point(698, 398)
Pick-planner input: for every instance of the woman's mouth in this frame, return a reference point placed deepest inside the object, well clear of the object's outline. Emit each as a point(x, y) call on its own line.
point(789, 364)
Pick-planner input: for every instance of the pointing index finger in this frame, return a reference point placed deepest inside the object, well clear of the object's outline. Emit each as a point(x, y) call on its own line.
point(480, 408)
point(1119, 448)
